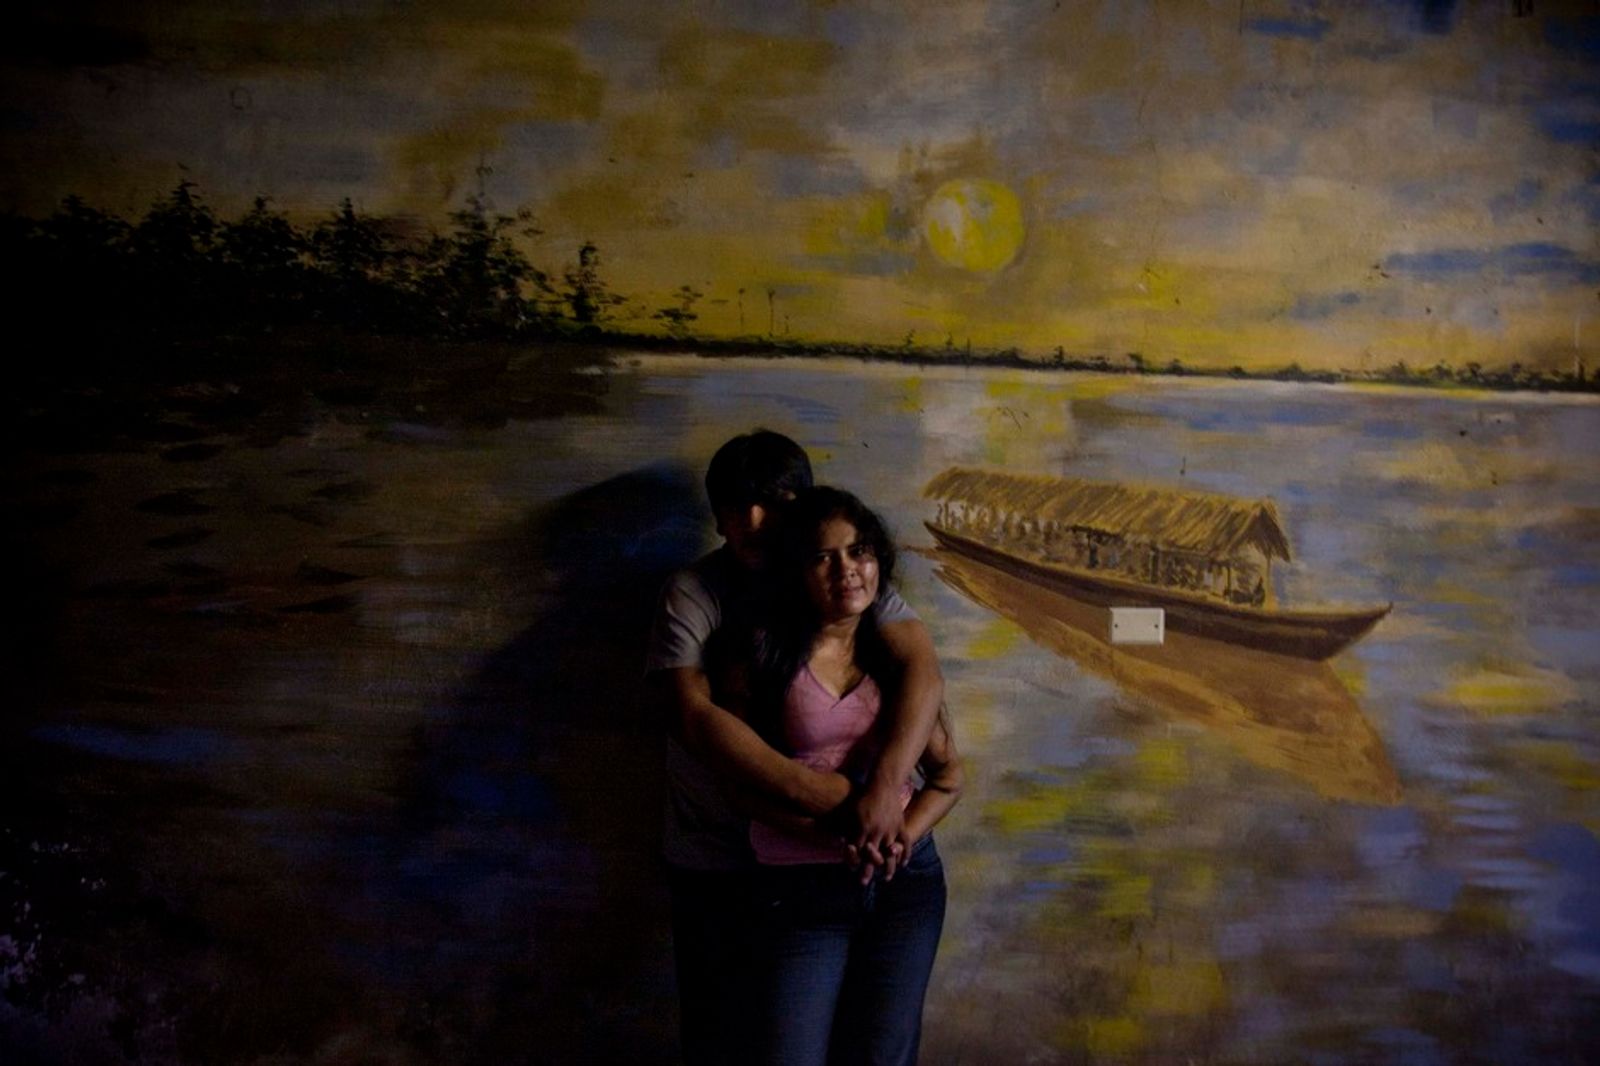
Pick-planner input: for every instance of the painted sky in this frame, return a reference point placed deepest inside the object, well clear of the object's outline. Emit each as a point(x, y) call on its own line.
point(1234, 182)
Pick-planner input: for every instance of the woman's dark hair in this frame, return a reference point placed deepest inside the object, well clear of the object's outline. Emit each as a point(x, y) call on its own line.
point(784, 644)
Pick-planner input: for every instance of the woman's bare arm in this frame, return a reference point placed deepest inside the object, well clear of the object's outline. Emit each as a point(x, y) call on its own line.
point(944, 776)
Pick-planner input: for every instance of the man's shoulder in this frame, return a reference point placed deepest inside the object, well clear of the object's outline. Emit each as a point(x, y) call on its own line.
point(696, 602)
point(892, 608)
point(713, 575)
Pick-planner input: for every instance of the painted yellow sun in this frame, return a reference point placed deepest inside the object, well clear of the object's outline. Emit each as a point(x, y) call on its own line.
point(974, 224)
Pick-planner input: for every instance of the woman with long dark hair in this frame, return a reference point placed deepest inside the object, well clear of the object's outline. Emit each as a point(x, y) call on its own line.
point(850, 952)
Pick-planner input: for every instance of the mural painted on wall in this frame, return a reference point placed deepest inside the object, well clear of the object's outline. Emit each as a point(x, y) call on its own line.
point(366, 361)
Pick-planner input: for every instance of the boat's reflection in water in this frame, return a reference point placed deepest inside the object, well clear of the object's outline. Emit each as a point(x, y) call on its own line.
point(1281, 712)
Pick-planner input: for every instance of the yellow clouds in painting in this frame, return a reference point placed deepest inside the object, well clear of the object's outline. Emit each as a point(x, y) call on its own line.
point(1220, 184)
point(490, 84)
point(742, 86)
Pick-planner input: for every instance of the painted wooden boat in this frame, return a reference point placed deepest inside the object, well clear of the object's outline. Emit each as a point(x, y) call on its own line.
point(1205, 558)
point(1307, 634)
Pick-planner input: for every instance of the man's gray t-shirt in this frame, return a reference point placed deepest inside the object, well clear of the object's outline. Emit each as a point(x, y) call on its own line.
point(703, 831)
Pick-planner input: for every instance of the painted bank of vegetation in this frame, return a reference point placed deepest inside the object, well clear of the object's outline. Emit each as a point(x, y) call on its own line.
point(183, 273)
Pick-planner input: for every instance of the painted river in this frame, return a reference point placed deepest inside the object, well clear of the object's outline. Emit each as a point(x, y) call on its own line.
point(329, 741)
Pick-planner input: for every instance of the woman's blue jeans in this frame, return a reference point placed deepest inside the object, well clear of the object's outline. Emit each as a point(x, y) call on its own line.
point(847, 964)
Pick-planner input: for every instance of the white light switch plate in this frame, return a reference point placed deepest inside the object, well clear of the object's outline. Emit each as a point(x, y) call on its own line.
point(1138, 625)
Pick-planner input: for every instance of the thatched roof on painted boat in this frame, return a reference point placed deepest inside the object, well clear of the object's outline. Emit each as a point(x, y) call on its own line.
point(1207, 523)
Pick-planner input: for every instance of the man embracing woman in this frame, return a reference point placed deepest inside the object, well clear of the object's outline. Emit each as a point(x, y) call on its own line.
point(808, 760)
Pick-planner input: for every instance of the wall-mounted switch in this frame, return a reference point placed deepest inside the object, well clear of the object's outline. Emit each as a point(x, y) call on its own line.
point(1138, 625)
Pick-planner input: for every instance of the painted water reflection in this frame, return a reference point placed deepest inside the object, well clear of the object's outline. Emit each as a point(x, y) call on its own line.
point(1279, 711)
point(344, 718)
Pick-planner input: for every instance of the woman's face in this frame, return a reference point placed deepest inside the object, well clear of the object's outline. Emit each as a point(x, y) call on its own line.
point(842, 574)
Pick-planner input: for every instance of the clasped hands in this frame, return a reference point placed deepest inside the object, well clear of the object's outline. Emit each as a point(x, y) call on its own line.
point(871, 822)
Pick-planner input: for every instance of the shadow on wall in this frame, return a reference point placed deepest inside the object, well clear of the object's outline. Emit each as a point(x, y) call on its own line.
point(205, 882)
point(529, 848)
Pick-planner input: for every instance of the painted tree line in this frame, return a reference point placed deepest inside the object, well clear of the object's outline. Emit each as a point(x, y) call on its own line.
point(183, 268)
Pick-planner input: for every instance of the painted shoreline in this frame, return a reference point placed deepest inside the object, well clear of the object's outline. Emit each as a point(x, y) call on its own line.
point(688, 357)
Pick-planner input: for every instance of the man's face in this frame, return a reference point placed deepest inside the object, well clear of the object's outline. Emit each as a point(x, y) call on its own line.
point(748, 530)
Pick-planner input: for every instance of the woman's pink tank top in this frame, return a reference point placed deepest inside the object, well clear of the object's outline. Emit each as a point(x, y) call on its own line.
point(825, 732)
